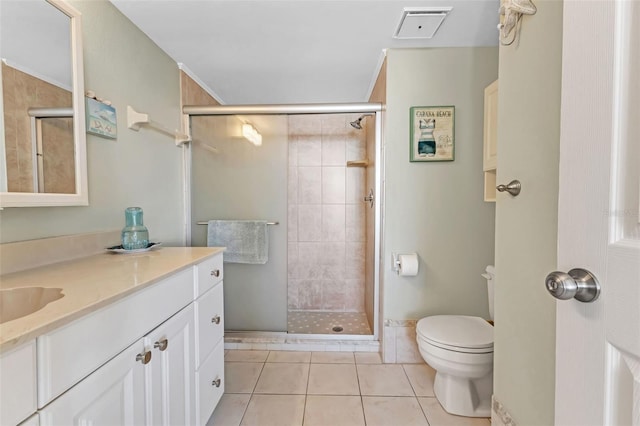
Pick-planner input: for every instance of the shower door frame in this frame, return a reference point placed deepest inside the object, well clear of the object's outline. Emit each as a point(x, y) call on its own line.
point(292, 109)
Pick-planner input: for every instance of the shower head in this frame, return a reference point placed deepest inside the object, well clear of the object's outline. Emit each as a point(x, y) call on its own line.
point(357, 124)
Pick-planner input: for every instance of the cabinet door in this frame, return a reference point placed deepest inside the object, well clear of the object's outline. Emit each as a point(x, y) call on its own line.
point(171, 393)
point(18, 384)
point(209, 322)
point(210, 384)
point(112, 395)
point(32, 421)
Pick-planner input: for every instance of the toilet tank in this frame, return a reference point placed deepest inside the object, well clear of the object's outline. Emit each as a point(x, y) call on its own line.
point(490, 275)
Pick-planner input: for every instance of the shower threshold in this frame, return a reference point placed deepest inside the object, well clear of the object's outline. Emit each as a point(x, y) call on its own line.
point(283, 341)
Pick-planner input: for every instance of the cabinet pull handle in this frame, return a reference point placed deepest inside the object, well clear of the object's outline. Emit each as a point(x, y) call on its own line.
point(144, 357)
point(217, 382)
point(161, 344)
point(215, 273)
point(216, 319)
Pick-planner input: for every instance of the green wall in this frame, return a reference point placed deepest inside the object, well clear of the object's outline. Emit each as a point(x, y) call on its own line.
point(437, 209)
point(139, 168)
point(526, 226)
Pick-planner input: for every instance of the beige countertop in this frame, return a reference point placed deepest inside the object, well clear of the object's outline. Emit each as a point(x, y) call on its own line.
point(90, 283)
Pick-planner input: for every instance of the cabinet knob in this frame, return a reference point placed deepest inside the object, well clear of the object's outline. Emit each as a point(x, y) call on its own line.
point(161, 344)
point(144, 357)
point(216, 319)
point(215, 273)
point(217, 382)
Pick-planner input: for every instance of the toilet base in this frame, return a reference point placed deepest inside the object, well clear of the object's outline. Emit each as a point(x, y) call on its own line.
point(464, 397)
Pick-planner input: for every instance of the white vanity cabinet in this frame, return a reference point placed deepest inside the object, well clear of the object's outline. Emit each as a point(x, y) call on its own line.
point(151, 382)
point(18, 384)
point(155, 357)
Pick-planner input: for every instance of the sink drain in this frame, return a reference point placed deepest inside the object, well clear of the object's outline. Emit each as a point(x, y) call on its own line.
point(337, 329)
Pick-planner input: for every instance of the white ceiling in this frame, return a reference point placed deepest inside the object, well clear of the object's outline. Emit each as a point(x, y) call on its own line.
point(296, 51)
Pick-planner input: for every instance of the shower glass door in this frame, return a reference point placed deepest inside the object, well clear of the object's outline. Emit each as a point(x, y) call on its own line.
point(233, 178)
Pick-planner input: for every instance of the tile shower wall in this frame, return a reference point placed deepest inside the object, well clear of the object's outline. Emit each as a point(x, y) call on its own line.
point(326, 231)
point(59, 169)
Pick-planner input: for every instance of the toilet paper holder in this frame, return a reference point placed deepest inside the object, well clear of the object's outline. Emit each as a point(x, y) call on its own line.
point(396, 263)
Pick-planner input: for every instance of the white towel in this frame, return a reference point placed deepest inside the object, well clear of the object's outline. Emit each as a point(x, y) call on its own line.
point(247, 241)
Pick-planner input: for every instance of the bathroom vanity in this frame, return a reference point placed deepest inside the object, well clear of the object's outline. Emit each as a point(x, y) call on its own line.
point(136, 339)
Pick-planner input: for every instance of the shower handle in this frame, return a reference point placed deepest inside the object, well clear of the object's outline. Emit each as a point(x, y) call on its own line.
point(369, 198)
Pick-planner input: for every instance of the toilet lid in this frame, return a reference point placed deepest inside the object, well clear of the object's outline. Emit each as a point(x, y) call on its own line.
point(457, 331)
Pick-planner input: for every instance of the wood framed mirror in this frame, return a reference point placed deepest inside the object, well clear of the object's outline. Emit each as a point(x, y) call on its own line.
point(43, 141)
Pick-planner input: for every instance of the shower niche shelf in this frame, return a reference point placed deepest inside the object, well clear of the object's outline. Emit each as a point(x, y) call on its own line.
point(358, 163)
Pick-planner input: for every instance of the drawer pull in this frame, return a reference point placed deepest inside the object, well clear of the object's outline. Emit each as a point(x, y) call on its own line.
point(216, 383)
point(215, 273)
point(216, 319)
point(161, 344)
point(144, 357)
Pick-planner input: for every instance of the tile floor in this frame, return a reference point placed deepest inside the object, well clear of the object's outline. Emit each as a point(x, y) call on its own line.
point(314, 322)
point(328, 389)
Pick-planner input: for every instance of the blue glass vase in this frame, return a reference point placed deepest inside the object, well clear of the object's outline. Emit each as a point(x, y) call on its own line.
point(134, 235)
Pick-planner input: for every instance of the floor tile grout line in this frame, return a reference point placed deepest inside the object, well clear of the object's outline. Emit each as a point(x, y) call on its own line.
point(364, 416)
point(424, 412)
point(409, 380)
point(306, 394)
point(244, 412)
point(256, 383)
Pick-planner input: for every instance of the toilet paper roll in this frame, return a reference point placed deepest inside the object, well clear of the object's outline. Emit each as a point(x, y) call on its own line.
point(408, 265)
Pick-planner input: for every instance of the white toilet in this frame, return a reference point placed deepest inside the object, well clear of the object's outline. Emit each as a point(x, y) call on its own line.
point(460, 349)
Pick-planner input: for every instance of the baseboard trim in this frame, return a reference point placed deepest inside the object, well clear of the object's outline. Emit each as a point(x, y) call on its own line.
point(499, 414)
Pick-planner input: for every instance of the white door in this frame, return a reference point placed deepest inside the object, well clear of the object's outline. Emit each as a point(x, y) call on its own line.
point(171, 389)
point(112, 395)
point(598, 343)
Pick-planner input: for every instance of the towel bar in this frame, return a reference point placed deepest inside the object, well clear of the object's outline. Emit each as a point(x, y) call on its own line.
point(268, 223)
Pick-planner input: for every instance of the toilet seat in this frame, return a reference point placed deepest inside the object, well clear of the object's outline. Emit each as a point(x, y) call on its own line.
point(457, 333)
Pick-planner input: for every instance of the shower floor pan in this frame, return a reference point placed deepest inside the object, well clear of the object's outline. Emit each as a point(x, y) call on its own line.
point(339, 323)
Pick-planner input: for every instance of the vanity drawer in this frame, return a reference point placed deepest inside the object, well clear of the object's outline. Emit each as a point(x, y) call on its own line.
point(210, 384)
point(209, 322)
point(70, 353)
point(18, 385)
point(208, 274)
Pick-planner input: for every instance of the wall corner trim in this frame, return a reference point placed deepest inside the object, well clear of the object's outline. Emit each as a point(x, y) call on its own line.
point(376, 72)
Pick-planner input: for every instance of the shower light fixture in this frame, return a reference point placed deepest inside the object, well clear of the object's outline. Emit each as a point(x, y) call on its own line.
point(251, 134)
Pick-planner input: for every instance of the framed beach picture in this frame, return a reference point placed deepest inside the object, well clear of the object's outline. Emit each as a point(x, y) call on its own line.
point(101, 119)
point(432, 133)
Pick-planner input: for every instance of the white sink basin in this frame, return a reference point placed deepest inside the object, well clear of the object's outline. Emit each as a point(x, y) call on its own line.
point(19, 302)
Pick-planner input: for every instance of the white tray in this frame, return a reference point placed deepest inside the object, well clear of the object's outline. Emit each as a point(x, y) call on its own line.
point(119, 249)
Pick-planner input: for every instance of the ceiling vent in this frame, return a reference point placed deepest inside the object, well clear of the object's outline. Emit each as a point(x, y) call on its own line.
point(421, 22)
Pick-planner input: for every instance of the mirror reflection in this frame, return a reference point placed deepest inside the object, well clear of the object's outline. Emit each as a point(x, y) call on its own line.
point(37, 82)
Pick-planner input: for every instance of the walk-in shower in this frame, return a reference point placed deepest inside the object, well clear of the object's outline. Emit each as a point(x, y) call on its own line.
point(310, 175)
